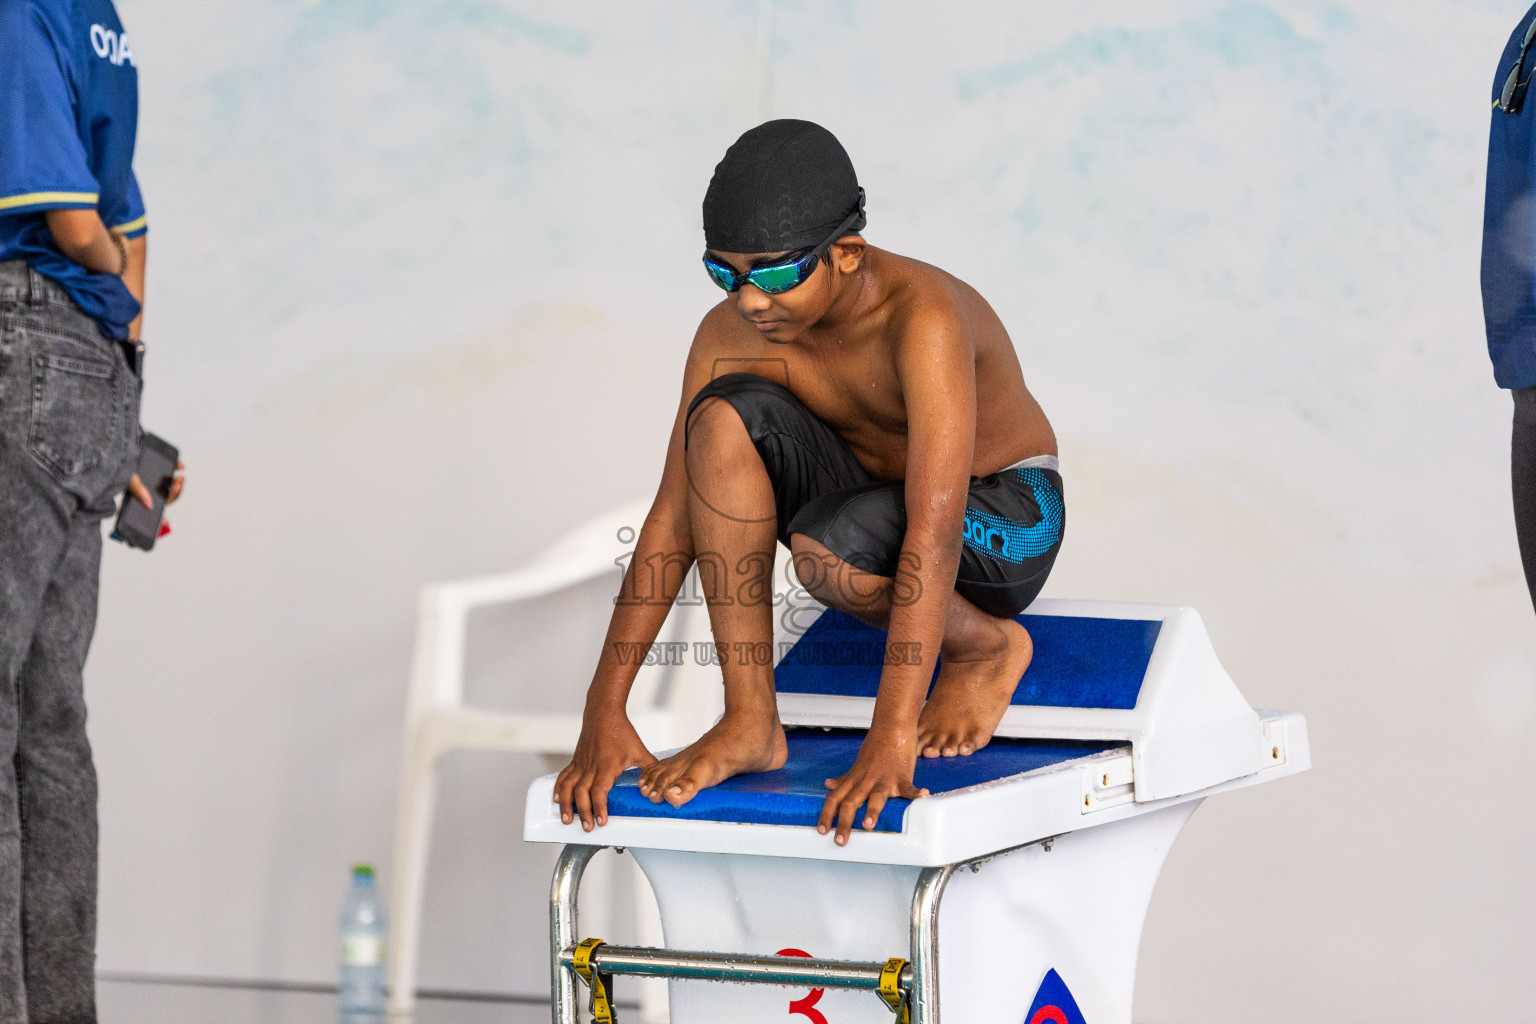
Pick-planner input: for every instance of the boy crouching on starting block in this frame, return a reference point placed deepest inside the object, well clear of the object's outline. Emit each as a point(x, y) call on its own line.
point(869, 411)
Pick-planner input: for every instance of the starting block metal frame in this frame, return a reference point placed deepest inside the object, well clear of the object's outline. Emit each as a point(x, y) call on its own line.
point(917, 979)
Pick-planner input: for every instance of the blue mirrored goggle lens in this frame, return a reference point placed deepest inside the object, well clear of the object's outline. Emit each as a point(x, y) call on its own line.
point(722, 276)
point(781, 278)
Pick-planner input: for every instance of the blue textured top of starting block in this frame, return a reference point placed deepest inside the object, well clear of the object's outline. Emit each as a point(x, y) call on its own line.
point(1079, 662)
point(793, 795)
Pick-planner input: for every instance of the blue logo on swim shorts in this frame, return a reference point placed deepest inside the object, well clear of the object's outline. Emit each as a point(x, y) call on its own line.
point(1053, 1003)
point(1007, 541)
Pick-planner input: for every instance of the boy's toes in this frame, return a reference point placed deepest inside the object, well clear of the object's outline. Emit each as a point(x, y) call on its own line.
point(681, 791)
point(655, 784)
point(940, 746)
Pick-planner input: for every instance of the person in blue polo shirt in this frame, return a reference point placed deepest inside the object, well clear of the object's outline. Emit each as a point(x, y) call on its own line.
point(72, 254)
point(1509, 268)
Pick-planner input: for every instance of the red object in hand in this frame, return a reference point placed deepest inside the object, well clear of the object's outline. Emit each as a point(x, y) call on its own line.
point(165, 528)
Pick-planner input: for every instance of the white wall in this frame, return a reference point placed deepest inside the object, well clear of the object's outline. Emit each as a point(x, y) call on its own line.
point(422, 281)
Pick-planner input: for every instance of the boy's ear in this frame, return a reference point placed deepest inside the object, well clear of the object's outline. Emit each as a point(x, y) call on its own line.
point(848, 253)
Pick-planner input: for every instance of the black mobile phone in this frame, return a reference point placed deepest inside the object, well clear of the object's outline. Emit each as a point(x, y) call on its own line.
point(138, 526)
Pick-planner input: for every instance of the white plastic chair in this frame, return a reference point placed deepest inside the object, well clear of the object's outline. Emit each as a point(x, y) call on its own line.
point(670, 707)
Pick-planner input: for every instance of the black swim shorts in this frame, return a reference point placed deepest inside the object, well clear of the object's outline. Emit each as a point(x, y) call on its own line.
point(1013, 518)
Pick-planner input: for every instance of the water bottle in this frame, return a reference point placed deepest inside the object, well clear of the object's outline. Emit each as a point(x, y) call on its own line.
point(363, 933)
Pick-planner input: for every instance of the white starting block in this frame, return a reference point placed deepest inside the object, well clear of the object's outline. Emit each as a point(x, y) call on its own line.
point(1124, 722)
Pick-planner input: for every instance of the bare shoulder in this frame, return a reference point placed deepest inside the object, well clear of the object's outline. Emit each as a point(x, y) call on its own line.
point(721, 340)
point(929, 305)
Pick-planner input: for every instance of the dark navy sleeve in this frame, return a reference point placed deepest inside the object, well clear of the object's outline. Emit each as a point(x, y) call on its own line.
point(130, 221)
point(42, 163)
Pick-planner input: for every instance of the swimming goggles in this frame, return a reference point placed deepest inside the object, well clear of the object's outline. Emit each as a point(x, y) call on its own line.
point(792, 270)
point(1512, 96)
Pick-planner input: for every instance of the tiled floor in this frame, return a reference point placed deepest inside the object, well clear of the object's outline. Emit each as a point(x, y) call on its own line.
point(135, 1002)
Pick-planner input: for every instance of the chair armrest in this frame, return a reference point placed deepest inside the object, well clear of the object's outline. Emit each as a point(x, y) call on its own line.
point(537, 580)
point(437, 673)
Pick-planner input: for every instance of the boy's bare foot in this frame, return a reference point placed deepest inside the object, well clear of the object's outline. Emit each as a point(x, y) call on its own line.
point(735, 746)
point(970, 696)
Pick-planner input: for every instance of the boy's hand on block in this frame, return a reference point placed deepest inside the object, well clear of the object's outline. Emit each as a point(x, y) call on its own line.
point(882, 770)
point(607, 747)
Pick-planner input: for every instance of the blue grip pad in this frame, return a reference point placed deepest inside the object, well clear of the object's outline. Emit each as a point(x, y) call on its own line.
point(1079, 662)
point(793, 795)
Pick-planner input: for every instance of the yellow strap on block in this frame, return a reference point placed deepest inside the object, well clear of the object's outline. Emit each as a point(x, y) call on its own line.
point(583, 958)
point(597, 981)
point(890, 989)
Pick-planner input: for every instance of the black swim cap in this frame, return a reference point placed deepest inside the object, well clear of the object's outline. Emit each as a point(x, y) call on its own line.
point(783, 185)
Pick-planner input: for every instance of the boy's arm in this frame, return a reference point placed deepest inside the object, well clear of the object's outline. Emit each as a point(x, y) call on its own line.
point(663, 555)
point(938, 373)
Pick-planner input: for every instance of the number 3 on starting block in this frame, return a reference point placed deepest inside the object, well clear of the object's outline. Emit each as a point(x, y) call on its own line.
point(806, 1006)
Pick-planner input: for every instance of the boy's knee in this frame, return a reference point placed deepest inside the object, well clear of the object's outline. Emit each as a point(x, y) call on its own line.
point(812, 561)
point(824, 574)
point(715, 423)
point(737, 404)
point(801, 545)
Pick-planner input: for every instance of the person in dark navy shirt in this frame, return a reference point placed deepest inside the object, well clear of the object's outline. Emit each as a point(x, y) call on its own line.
point(1509, 268)
point(72, 255)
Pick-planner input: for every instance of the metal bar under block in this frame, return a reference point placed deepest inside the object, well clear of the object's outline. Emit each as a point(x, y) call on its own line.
point(562, 928)
point(925, 942)
point(919, 978)
point(645, 961)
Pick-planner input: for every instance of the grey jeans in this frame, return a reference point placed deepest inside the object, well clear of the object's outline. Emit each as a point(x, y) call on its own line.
point(69, 409)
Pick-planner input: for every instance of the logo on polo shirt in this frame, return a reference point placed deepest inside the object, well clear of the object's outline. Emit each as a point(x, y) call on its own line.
point(1054, 1003)
point(112, 45)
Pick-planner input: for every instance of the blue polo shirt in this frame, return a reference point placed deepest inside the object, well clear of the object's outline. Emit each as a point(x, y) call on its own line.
point(69, 109)
point(1509, 226)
